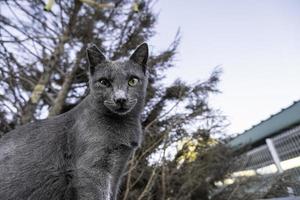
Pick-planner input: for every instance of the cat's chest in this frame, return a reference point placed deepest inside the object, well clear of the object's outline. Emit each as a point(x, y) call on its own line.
point(123, 134)
point(97, 140)
point(116, 138)
point(102, 147)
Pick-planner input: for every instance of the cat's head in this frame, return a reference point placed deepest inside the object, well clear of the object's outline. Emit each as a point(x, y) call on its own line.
point(118, 86)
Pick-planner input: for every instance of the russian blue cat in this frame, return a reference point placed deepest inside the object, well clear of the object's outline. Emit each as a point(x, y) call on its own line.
point(82, 153)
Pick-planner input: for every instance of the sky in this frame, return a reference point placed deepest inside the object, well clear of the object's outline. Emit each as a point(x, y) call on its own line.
point(256, 43)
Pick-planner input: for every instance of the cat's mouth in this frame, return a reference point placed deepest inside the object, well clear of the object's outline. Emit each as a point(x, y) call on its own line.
point(120, 109)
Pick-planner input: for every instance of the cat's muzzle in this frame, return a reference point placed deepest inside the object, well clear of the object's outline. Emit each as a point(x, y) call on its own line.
point(120, 107)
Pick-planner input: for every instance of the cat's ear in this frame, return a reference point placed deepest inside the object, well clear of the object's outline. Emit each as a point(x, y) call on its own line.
point(140, 55)
point(95, 57)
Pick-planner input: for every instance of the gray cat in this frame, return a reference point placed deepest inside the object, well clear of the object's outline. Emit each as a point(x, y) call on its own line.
point(80, 154)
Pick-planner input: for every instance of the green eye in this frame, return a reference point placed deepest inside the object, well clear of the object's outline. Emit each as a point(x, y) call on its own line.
point(133, 81)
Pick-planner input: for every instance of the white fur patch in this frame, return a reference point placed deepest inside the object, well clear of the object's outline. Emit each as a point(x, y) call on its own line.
point(120, 94)
point(109, 192)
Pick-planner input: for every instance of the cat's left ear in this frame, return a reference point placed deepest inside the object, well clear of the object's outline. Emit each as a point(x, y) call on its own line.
point(140, 55)
point(95, 57)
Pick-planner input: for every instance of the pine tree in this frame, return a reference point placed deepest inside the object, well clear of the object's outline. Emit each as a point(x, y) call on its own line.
point(43, 73)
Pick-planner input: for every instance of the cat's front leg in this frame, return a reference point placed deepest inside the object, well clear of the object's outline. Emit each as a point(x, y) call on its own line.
point(121, 156)
point(93, 185)
point(94, 175)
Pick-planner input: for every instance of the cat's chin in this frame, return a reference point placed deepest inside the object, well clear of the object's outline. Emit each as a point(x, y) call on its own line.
point(122, 111)
point(119, 111)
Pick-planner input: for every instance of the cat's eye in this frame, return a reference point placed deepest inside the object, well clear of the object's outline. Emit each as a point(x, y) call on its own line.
point(133, 81)
point(103, 83)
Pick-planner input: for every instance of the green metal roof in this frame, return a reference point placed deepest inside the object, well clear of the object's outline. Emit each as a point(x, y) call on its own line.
point(282, 120)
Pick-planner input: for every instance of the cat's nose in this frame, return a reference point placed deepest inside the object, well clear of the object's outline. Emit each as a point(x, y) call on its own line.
point(120, 97)
point(120, 101)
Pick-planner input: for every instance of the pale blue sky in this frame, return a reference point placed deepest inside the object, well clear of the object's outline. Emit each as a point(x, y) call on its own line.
point(257, 43)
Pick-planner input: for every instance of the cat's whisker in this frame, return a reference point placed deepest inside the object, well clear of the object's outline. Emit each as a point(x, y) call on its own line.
point(110, 103)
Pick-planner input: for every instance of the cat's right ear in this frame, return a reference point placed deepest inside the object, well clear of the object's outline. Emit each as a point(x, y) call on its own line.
point(140, 55)
point(95, 57)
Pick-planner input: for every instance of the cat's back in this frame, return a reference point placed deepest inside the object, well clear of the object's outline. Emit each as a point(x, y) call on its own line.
point(39, 133)
point(32, 159)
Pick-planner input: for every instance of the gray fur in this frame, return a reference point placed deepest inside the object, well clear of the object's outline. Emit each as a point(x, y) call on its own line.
point(80, 154)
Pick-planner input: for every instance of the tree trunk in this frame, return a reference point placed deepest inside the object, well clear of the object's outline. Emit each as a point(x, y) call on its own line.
point(30, 107)
point(62, 95)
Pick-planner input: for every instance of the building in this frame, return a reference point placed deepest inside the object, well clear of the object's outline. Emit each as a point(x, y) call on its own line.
point(272, 148)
